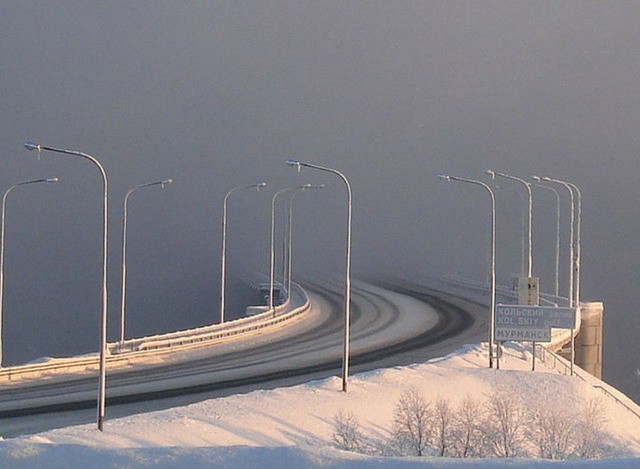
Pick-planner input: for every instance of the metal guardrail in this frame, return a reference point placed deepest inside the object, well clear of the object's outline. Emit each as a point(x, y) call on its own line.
point(556, 362)
point(214, 333)
point(615, 398)
point(162, 343)
point(547, 356)
point(503, 290)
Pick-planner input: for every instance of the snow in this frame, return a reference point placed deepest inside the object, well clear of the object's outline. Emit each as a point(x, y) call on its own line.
point(292, 427)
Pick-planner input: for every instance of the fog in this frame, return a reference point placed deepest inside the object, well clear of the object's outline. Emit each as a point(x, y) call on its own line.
point(218, 94)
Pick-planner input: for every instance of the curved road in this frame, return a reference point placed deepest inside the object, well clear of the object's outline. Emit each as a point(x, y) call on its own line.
point(391, 325)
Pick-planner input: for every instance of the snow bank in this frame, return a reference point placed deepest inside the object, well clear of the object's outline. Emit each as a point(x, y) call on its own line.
point(293, 427)
point(239, 457)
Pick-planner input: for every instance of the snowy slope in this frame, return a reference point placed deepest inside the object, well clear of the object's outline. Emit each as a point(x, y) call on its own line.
point(293, 427)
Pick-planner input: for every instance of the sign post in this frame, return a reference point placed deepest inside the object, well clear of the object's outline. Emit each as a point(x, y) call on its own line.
point(530, 322)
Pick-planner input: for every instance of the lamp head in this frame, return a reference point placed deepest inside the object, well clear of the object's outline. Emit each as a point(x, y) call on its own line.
point(261, 185)
point(536, 178)
point(311, 186)
point(444, 177)
point(31, 146)
point(52, 180)
point(295, 163)
point(490, 173)
point(166, 182)
point(546, 178)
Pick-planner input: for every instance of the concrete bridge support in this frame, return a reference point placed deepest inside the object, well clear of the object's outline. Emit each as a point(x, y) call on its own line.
point(589, 341)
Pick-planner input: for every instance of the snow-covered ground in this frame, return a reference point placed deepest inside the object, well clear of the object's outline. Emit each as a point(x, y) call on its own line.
point(293, 427)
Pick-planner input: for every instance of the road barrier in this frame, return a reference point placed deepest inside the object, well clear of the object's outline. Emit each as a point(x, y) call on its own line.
point(123, 353)
point(556, 362)
point(214, 333)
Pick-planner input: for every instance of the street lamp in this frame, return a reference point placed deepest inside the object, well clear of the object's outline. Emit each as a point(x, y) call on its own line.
point(289, 230)
point(102, 381)
point(571, 234)
point(578, 253)
point(123, 298)
point(223, 256)
point(4, 205)
point(493, 259)
point(347, 283)
point(493, 175)
point(272, 257)
point(557, 262)
point(574, 262)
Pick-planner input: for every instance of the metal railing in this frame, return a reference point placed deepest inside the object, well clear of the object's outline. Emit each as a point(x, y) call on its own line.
point(163, 343)
point(556, 362)
point(544, 354)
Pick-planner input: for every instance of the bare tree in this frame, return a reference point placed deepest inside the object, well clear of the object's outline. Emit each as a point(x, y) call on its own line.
point(442, 426)
point(467, 434)
point(346, 432)
point(504, 418)
point(501, 426)
point(411, 423)
point(552, 427)
point(590, 434)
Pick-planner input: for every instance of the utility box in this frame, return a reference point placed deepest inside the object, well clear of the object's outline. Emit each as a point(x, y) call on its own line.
point(528, 292)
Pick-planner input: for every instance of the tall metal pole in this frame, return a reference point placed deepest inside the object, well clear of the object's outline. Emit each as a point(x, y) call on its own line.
point(578, 253)
point(493, 260)
point(289, 229)
point(493, 174)
point(272, 258)
point(347, 283)
point(557, 260)
point(4, 205)
point(102, 381)
point(286, 271)
point(572, 303)
point(223, 255)
point(123, 289)
point(571, 235)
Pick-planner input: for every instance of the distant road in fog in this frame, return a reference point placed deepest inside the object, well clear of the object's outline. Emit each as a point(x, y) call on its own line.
point(394, 325)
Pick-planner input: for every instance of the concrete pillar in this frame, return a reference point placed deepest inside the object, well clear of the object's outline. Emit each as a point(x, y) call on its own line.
point(589, 341)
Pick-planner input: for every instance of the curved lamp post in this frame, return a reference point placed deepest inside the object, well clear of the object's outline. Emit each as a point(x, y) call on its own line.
point(347, 283)
point(4, 206)
point(557, 261)
point(578, 253)
point(289, 230)
point(272, 257)
point(493, 175)
point(123, 297)
point(223, 256)
point(493, 259)
point(571, 234)
point(102, 381)
point(574, 261)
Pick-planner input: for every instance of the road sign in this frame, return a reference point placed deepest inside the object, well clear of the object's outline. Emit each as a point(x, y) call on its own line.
point(511, 316)
point(524, 334)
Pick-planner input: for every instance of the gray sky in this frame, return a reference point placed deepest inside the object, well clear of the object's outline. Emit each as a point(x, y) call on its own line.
point(219, 94)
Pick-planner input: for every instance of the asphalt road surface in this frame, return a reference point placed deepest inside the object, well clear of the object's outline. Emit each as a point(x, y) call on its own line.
point(391, 325)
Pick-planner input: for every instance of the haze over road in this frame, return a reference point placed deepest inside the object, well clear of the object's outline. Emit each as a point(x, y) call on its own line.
point(219, 94)
point(388, 329)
